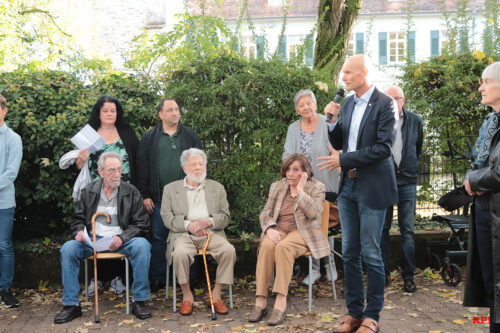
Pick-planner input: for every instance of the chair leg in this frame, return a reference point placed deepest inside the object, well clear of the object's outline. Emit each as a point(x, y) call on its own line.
point(309, 304)
point(230, 296)
point(174, 287)
point(86, 279)
point(167, 282)
point(330, 267)
point(127, 279)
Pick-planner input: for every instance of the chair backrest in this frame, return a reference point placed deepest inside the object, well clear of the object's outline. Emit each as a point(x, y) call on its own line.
point(325, 217)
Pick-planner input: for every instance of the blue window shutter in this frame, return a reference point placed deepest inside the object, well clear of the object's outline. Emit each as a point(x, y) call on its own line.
point(434, 43)
point(360, 43)
point(310, 49)
point(260, 47)
point(382, 48)
point(411, 40)
point(282, 47)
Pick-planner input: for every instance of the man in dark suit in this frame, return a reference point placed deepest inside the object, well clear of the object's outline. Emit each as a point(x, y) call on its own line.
point(367, 187)
point(406, 152)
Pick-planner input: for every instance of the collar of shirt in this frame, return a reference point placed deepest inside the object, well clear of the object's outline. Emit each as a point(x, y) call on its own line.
point(365, 97)
point(173, 135)
point(188, 187)
point(103, 194)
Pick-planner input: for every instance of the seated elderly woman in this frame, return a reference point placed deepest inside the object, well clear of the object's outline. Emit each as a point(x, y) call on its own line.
point(291, 225)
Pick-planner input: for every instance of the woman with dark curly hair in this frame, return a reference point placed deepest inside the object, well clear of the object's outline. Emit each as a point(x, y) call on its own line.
point(107, 119)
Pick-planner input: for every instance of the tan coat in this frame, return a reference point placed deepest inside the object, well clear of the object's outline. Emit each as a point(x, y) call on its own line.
point(174, 208)
point(308, 210)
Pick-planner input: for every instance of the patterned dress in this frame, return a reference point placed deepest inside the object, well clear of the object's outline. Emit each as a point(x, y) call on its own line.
point(116, 147)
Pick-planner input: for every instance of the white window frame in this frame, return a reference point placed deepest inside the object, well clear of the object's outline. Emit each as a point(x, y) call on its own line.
point(249, 47)
point(274, 3)
point(292, 45)
point(396, 40)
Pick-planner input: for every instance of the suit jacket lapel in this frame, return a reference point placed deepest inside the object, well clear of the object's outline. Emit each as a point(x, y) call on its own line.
point(209, 197)
point(181, 197)
point(279, 200)
point(369, 108)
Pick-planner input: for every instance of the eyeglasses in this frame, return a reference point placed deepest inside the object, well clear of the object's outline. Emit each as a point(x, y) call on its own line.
point(113, 171)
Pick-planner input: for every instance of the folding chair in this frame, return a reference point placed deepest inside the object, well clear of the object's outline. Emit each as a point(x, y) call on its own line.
point(110, 255)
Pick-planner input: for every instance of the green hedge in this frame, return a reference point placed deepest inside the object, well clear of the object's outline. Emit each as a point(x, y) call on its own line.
point(241, 111)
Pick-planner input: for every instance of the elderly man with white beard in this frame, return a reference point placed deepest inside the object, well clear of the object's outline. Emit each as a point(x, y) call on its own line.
point(128, 225)
point(190, 208)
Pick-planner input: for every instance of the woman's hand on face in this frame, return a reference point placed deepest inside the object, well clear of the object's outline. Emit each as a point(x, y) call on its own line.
point(83, 155)
point(273, 235)
point(302, 182)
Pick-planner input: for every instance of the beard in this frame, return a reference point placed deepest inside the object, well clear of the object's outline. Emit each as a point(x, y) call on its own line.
point(115, 182)
point(197, 179)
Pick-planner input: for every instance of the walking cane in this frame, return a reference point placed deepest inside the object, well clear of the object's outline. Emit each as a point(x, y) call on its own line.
point(96, 288)
point(204, 253)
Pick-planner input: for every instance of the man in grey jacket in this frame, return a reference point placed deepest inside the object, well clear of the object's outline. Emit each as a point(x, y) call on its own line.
point(129, 224)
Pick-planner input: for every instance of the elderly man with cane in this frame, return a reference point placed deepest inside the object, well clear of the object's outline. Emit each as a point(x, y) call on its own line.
point(192, 208)
point(128, 224)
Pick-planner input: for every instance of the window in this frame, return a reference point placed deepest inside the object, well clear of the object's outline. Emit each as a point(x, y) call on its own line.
point(249, 48)
point(274, 3)
point(294, 41)
point(397, 47)
point(350, 47)
point(444, 41)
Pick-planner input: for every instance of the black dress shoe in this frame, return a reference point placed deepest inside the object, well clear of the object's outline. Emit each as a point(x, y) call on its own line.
point(140, 310)
point(156, 285)
point(68, 313)
point(409, 286)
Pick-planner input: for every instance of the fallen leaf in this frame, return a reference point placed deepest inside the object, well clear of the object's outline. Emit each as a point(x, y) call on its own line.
point(120, 305)
point(14, 317)
point(459, 321)
point(198, 291)
point(237, 328)
point(88, 323)
point(263, 328)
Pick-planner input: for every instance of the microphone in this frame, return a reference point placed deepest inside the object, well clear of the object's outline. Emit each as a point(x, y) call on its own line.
point(336, 100)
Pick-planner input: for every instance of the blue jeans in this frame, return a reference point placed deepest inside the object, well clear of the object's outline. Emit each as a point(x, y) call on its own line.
point(407, 196)
point(6, 248)
point(159, 234)
point(137, 249)
point(361, 232)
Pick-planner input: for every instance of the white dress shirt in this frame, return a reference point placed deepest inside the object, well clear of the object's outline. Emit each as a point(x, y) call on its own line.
point(357, 115)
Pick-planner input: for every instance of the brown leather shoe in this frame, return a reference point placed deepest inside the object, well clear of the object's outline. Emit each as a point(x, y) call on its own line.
point(369, 326)
point(257, 314)
point(186, 308)
point(277, 317)
point(219, 307)
point(348, 325)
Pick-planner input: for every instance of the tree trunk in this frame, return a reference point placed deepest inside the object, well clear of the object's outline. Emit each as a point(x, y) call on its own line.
point(336, 21)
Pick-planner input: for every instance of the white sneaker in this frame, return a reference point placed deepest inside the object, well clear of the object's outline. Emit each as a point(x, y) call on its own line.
point(335, 275)
point(117, 285)
point(315, 276)
point(90, 288)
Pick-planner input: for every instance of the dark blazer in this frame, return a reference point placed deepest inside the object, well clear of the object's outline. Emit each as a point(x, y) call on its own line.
point(413, 137)
point(372, 158)
point(132, 215)
point(148, 181)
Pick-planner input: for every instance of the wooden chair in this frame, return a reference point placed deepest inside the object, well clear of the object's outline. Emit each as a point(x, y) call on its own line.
point(174, 285)
point(110, 255)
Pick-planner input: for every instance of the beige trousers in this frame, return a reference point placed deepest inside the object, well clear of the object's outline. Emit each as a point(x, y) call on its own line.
point(283, 255)
point(222, 251)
